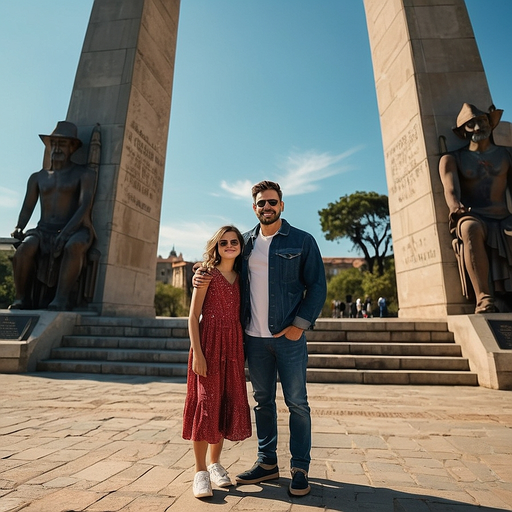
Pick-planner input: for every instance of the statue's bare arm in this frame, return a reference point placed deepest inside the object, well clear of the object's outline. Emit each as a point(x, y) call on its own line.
point(450, 180)
point(29, 203)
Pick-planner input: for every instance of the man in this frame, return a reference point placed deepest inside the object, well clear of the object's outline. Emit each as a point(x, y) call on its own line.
point(476, 180)
point(283, 292)
point(55, 250)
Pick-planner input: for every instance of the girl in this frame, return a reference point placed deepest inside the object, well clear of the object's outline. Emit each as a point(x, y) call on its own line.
point(216, 407)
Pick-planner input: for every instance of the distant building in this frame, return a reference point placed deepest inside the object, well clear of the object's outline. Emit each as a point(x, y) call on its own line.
point(333, 266)
point(176, 272)
point(6, 244)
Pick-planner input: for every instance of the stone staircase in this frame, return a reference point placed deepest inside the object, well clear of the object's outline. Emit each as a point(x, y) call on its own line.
point(123, 346)
point(386, 351)
point(358, 351)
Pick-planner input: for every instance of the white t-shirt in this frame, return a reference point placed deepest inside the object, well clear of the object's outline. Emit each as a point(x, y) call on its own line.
point(258, 285)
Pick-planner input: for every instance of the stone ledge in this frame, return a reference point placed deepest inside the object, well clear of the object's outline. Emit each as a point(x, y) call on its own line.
point(492, 364)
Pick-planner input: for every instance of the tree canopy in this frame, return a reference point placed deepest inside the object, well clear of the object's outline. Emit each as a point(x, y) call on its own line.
point(363, 218)
point(169, 301)
point(362, 284)
point(6, 279)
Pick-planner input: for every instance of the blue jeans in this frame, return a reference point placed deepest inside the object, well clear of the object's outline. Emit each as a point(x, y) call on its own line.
point(267, 358)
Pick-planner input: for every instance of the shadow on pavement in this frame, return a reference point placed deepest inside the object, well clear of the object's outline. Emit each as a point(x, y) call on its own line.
point(337, 496)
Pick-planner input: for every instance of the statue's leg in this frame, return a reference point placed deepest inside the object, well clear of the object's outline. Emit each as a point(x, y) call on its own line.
point(23, 264)
point(473, 234)
point(71, 265)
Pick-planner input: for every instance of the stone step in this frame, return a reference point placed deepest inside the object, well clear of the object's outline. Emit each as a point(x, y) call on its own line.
point(380, 324)
point(116, 321)
point(121, 354)
point(114, 368)
point(437, 378)
point(381, 336)
point(123, 342)
point(132, 327)
point(398, 363)
point(404, 349)
point(131, 331)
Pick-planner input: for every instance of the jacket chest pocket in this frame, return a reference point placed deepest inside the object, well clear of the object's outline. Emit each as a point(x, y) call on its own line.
point(289, 265)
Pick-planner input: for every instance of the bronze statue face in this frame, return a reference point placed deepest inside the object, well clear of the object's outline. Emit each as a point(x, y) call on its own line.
point(61, 149)
point(478, 128)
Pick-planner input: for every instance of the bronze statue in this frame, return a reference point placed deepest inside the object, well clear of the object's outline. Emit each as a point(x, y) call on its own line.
point(54, 252)
point(476, 180)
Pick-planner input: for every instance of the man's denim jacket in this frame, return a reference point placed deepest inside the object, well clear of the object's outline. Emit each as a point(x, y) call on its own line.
point(297, 287)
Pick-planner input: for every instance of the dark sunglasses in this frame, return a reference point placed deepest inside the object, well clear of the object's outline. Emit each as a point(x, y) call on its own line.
point(224, 243)
point(271, 202)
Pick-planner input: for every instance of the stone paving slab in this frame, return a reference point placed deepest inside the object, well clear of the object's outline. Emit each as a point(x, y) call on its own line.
point(100, 443)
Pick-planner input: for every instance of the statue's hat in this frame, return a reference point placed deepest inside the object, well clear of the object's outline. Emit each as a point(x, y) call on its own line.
point(468, 112)
point(64, 130)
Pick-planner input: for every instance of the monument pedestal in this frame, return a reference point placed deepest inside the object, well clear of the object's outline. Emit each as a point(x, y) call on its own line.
point(486, 340)
point(26, 337)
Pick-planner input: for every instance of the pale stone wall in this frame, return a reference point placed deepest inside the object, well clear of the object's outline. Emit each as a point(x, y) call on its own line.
point(124, 82)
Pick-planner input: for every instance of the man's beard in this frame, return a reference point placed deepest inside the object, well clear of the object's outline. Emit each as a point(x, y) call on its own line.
point(269, 220)
point(481, 135)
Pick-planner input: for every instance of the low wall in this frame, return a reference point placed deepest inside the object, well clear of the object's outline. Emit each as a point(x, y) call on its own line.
point(20, 354)
point(474, 334)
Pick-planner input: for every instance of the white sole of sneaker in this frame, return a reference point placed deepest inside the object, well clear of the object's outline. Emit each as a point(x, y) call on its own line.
point(223, 486)
point(204, 495)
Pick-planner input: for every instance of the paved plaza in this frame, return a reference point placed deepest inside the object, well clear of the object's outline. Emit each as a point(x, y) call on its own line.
point(112, 443)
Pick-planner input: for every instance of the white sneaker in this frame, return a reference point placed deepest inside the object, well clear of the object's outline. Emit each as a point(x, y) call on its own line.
point(202, 487)
point(219, 475)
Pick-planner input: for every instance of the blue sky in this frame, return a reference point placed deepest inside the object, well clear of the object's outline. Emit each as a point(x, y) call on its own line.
point(263, 89)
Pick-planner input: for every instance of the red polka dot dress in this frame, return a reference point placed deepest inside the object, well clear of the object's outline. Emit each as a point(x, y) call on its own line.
point(216, 406)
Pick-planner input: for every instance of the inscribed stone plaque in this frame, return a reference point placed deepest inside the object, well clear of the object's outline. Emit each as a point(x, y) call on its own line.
point(17, 327)
point(143, 180)
point(502, 330)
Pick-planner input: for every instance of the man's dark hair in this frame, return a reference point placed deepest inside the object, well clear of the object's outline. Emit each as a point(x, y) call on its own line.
point(266, 185)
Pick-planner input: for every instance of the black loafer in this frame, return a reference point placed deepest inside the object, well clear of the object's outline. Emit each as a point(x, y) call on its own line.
point(299, 485)
point(258, 473)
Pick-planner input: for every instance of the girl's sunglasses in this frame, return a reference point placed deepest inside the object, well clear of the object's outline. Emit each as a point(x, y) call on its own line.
point(224, 243)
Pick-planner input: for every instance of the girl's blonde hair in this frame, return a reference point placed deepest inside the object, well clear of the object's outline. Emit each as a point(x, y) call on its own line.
point(211, 257)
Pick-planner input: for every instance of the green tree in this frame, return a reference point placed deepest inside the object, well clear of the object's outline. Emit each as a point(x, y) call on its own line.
point(347, 282)
point(363, 218)
point(6, 279)
point(169, 300)
point(362, 283)
point(376, 286)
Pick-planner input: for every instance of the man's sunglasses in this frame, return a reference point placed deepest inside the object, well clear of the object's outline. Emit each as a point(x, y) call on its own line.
point(271, 202)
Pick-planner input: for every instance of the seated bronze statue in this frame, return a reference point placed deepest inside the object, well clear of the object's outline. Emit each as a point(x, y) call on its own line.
point(53, 253)
point(476, 180)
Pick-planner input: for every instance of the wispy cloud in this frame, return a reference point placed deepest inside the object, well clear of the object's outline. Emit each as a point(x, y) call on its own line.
point(9, 198)
point(299, 173)
point(240, 188)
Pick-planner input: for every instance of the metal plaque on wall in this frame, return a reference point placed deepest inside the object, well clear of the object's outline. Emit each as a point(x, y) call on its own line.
point(502, 330)
point(17, 327)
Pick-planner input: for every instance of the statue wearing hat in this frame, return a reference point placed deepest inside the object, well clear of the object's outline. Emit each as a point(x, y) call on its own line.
point(476, 180)
point(54, 252)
